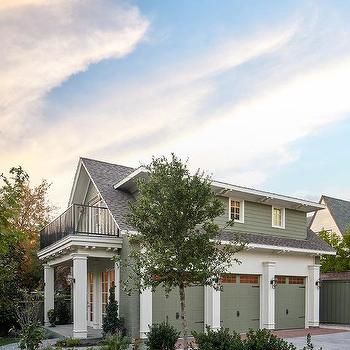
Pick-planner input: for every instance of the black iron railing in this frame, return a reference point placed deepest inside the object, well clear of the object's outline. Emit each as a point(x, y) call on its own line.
point(79, 219)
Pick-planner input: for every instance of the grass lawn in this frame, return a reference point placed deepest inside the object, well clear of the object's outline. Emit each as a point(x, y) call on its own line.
point(7, 340)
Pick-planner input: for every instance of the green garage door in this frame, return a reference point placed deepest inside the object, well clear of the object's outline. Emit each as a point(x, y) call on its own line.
point(168, 308)
point(290, 302)
point(240, 302)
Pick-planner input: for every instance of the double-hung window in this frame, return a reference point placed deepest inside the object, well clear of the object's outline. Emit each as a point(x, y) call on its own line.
point(236, 210)
point(278, 217)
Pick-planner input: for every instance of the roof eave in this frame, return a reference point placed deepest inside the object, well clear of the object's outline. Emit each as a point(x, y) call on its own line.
point(269, 197)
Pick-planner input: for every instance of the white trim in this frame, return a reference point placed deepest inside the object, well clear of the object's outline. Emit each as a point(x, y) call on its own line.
point(75, 180)
point(66, 243)
point(126, 179)
point(283, 218)
point(241, 213)
point(270, 196)
point(284, 249)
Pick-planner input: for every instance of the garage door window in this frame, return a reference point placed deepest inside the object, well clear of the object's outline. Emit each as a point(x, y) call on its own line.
point(249, 279)
point(296, 280)
point(228, 278)
point(281, 279)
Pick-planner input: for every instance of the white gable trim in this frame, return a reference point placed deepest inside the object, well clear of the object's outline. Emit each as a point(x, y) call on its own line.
point(76, 177)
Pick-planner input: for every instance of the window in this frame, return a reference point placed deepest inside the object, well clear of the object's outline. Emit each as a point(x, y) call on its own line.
point(236, 210)
point(278, 217)
point(107, 281)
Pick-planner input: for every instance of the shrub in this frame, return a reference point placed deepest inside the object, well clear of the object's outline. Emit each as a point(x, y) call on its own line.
point(218, 340)
point(68, 342)
point(62, 308)
point(51, 314)
point(262, 339)
point(31, 336)
point(111, 323)
point(116, 342)
point(162, 337)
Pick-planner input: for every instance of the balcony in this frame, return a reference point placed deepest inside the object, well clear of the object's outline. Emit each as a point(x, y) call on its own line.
point(79, 219)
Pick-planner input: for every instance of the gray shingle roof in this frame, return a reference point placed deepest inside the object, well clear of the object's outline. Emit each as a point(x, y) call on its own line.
point(340, 211)
point(312, 242)
point(105, 175)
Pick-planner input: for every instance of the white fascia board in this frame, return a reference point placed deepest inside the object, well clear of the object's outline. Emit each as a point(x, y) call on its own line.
point(76, 177)
point(97, 241)
point(131, 176)
point(313, 206)
point(284, 249)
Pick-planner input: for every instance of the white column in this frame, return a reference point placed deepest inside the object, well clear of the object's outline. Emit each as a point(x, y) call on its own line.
point(268, 296)
point(212, 308)
point(79, 296)
point(313, 294)
point(145, 312)
point(117, 282)
point(49, 291)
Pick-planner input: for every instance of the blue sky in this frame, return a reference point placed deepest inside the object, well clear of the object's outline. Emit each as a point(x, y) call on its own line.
point(255, 92)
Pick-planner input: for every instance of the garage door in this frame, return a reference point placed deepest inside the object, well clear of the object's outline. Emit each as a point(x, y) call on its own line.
point(240, 302)
point(168, 308)
point(290, 302)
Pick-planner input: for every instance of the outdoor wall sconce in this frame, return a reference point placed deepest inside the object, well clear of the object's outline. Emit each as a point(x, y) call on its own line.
point(273, 283)
point(318, 283)
point(70, 279)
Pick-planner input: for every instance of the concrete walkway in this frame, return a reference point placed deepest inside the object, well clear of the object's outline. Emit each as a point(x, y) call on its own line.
point(331, 341)
point(66, 330)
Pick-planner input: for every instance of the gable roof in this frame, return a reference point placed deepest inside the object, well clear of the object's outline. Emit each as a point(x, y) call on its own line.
point(340, 211)
point(104, 175)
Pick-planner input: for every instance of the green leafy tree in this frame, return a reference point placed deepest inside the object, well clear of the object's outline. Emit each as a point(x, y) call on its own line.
point(341, 261)
point(177, 245)
point(24, 209)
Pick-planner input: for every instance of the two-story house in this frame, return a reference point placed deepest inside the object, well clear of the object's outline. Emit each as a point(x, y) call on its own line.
point(274, 287)
point(334, 218)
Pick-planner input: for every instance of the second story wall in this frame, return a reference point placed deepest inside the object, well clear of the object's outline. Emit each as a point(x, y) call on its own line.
point(258, 219)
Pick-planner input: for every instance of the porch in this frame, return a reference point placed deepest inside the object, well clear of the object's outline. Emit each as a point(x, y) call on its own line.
point(85, 239)
point(66, 331)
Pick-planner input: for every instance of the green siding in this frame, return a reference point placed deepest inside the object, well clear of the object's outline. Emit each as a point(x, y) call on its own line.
point(240, 306)
point(290, 306)
point(129, 307)
point(258, 219)
point(168, 308)
point(335, 302)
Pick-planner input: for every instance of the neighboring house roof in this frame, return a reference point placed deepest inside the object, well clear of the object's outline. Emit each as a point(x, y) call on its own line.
point(340, 211)
point(104, 175)
point(312, 241)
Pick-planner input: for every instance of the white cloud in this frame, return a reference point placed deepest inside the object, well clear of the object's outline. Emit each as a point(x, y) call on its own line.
point(43, 43)
point(241, 140)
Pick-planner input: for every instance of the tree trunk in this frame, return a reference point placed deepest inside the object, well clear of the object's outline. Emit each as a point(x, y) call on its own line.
point(183, 315)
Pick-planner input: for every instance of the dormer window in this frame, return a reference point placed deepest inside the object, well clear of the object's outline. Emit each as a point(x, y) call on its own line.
point(236, 210)
point(278, 217)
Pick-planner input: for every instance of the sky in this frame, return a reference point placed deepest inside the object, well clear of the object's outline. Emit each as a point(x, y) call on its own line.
point(256, 93)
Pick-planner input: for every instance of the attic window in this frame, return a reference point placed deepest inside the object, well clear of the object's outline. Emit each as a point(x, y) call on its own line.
point(278, 217)
point(236, 210)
